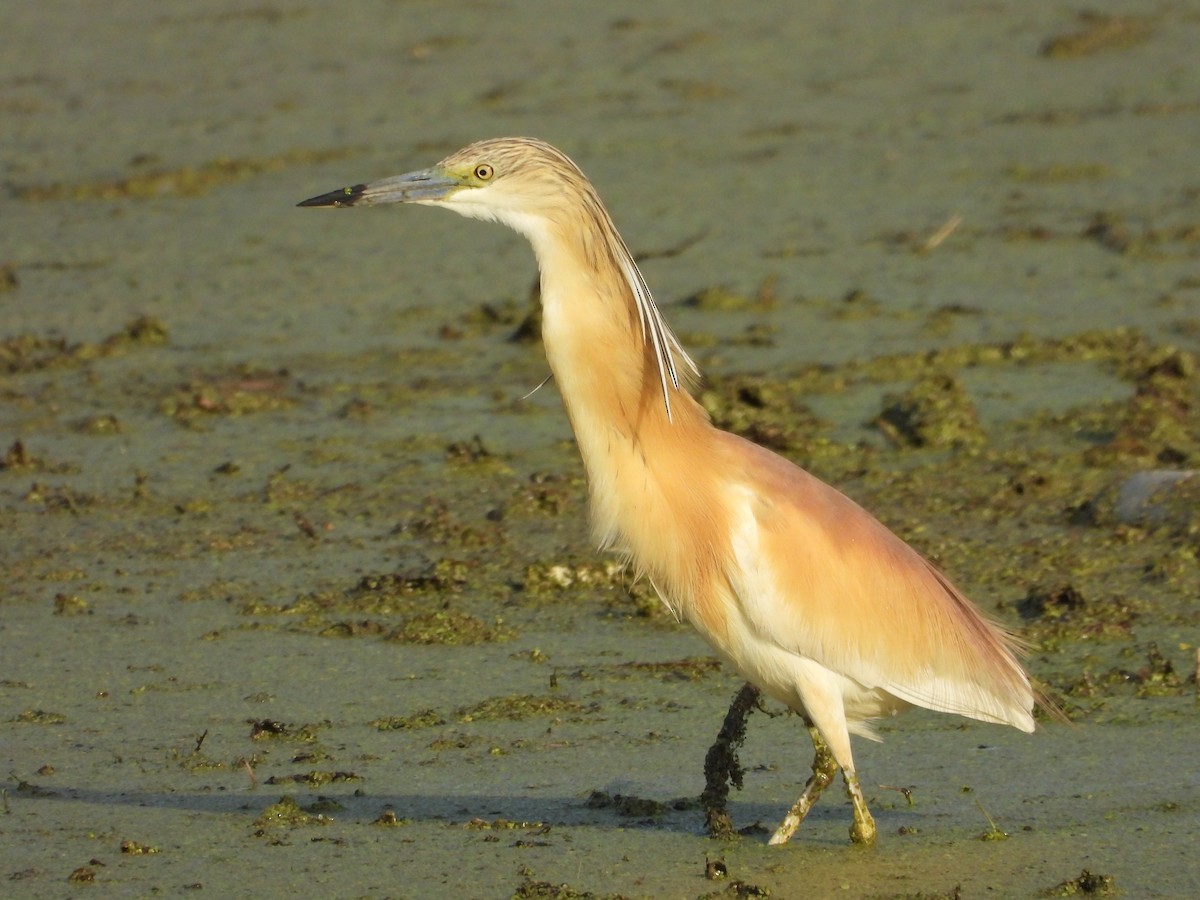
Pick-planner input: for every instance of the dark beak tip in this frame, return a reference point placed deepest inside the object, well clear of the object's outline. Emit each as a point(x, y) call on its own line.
point(341, 197)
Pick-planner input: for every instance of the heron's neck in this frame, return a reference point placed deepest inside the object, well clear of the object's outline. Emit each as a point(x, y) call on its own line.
point(597, 347)
point(646, 470)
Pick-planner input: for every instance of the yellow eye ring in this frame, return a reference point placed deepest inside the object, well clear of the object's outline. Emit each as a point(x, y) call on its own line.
point(484, 172)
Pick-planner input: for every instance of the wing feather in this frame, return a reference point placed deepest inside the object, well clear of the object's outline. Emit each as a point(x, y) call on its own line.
point(819, 576)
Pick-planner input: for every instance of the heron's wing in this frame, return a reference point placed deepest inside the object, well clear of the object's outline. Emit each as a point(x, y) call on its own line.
point(819, 576)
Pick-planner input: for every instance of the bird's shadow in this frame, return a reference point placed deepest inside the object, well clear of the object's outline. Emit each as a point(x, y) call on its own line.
point(345, 803)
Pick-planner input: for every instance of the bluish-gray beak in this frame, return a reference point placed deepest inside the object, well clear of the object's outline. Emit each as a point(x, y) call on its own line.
point(425, 186)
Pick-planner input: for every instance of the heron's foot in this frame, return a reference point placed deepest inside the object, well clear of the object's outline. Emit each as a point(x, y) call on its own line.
point(862, 831)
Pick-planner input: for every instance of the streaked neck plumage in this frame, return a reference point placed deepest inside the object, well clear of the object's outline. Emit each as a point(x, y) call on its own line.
point(641, 457)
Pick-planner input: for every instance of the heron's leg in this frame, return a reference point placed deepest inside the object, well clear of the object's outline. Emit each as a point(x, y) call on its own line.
point(824, 768)
point(863, 829)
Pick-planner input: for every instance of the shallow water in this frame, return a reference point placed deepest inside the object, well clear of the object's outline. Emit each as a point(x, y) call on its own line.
point(189, 515)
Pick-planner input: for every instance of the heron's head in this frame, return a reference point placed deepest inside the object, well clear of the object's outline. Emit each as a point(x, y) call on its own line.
point(518, 181)
point(536, 189)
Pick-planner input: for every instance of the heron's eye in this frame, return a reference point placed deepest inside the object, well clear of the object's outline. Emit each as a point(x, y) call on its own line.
point(483, 171)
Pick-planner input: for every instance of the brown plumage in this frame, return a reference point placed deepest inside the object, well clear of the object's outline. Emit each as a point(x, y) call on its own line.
point(790, 581)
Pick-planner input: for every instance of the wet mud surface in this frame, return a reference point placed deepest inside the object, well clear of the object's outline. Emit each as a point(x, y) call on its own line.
point(298, 591)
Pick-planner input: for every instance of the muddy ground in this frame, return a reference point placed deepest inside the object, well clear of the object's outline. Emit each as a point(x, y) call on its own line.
point(298, 592)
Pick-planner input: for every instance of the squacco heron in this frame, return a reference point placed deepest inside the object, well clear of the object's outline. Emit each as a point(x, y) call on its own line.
point(795, 585)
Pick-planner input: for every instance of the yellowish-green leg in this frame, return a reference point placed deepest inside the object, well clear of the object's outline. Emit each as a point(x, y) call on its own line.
point(824, 768)
point(863, 829)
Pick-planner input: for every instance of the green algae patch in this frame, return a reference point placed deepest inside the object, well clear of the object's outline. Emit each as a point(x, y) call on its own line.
point(529, 889)
point(314, 778)
point(1098, 33)
point(441, 576)
point(389, 819)
point(18, 458)
point(623, 593)
point(856, 306)
point(197, 761)
point(1116, 234)
point(547, 494)
point(523, 706)
point(38, 717)
point(1088, 883)
point(173, 686)
point(394, 592)
point(543, 577)
point(692, 668)
point(455, 741)
point(935, 412)
point(34, 353)
point(762, 409)
point(59, 498)
point(1160, 424)
point(136, 848)
point(71, 605)
point(426, 718)
point(478, 824)
point(1060, 174)
point(373, 605)
point(271, 730)
point(287, 813)
point(1146, 673)
point(724, 299)
point(437, 521)
point(1061, 614)
point(448, 627)
point(1123, 349)
point(243, 391)
point(633, 807)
